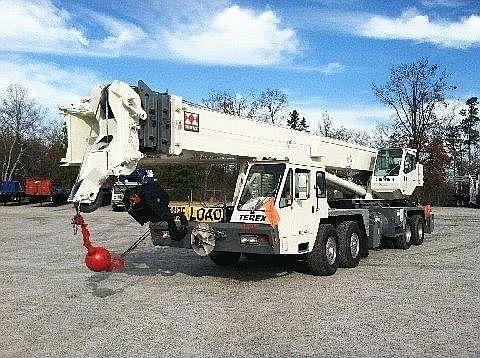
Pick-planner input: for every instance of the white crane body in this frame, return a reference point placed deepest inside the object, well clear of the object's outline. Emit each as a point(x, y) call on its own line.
point(280, 204)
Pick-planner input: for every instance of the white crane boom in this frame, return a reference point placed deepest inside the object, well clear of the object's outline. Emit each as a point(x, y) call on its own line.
point(111, 131)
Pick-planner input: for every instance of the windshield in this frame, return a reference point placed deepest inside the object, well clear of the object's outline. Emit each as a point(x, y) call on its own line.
point(262, 183)
point(388, 162)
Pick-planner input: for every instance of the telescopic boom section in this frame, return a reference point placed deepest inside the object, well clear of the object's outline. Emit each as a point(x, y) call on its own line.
point(112, 130)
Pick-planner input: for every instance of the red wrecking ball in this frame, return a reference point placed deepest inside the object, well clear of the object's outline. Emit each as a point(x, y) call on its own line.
point(98, 258)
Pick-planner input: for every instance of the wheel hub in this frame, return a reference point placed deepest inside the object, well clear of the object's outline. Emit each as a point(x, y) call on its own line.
point(331, 250)
point(354, 245)
point(408, 234)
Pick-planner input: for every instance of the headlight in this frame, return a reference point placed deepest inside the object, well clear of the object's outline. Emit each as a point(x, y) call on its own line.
point(249, 239)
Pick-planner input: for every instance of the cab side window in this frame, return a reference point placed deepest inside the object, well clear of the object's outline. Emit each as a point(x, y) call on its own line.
point(410, 163)
point(321, 185)
point(302, 184)
point(287, 192)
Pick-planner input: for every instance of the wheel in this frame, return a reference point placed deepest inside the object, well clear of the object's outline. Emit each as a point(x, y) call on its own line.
point(350, 244)
point(405, 240)
point(323, 259)
point(224, 258)
point(419, 230)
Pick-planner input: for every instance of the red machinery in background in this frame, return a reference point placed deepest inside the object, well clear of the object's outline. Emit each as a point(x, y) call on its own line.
point(42, 190)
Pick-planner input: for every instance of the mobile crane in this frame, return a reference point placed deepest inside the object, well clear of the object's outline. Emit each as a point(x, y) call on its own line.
point(280, 204)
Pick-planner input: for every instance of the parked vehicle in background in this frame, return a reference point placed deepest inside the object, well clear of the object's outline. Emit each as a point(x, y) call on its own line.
point(11, 191)
point(118, 191)
point(124, 182)
point(40, 190)
point(467, 190)
point(475, 190)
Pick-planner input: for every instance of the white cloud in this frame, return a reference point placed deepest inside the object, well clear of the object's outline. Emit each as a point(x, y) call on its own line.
point(332, 67)
point(443, 3)
point(41, 27)
point(38, 26)
point(232, 36)
point(48, 83)
point(235, 36)
point(414, 26)
point(358, 117)
point(121, 36)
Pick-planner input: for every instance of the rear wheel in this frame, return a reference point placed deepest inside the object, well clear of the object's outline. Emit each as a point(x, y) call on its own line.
point(405, 240)
point(224, 258)
point(419, 230)
point(350, 242)
point(323, 259)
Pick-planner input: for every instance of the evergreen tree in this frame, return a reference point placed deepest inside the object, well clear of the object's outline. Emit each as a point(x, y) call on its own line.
point(469, 127)
point(454, 146)
point(296, 123)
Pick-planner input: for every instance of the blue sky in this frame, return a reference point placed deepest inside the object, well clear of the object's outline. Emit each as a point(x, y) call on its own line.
point(324, 54)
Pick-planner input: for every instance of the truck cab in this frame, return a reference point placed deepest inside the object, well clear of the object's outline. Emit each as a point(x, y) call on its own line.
point(396, 173)
point(297, 198)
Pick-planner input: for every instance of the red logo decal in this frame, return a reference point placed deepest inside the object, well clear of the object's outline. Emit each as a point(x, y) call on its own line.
point(191, 122)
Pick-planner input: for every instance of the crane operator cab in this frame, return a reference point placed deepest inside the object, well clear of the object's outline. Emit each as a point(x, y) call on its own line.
point(396, 173)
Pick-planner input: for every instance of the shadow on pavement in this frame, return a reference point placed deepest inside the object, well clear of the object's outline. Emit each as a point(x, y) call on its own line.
point(168, 262)
point(94, 282)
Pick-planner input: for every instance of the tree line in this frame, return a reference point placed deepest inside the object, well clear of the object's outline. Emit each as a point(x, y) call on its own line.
point(31, 146)
point(425, 116)
point(445, 133)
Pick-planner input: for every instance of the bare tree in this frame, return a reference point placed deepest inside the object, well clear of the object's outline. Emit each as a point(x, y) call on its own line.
point(270, 106)
point(229, 103)
point(327, 129)
point(20, 119)
point(325, 125)
point(414, 91)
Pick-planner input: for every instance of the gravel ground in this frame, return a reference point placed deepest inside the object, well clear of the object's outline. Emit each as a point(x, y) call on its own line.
point(170, 302)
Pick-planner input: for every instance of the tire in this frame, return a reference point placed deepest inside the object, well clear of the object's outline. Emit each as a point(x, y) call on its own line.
point(252, 256)
point(419, 230)
point(224, 258)
point(405, 240)
point(323, 259)
point(350, 244)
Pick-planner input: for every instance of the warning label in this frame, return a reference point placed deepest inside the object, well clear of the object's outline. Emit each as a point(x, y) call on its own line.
point(190, 122)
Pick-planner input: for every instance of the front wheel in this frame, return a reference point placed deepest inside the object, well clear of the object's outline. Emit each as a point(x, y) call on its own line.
point(323, 259)
point(224, 258)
